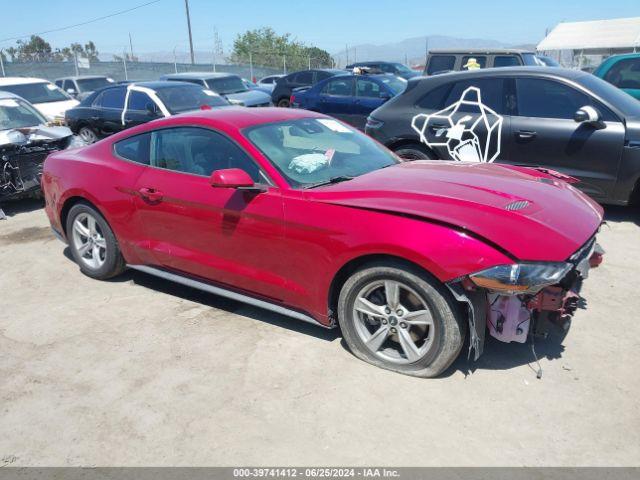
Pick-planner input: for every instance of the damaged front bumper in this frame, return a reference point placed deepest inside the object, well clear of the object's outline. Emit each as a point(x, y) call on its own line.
point(515, 317)
point(22, 155)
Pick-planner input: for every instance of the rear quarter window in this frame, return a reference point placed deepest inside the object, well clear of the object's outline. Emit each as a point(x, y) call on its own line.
point(441, 63)
point(135, 149)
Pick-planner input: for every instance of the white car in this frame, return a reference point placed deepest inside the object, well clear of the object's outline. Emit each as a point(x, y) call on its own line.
point(50, 100)
point(269, 82)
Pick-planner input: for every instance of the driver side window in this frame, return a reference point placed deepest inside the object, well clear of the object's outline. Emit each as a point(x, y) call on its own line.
point(339, 86)
point(199, 151)
point(542, 98)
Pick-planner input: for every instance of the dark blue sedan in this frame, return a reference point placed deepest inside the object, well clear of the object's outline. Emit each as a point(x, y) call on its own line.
point(350, 98)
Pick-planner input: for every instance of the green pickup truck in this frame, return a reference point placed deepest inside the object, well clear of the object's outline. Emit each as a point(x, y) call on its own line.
point(623, 71)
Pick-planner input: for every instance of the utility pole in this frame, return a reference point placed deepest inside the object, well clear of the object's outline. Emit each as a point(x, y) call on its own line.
point(2, 65)
point(186, 5)
point(124, 63)
point(346, 49)
point(75, 61)
point(130, 47)
point(175, 60)
point(251, 67)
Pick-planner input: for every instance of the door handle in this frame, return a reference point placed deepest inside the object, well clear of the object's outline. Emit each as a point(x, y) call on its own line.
point(526, 134)
point(151, 194)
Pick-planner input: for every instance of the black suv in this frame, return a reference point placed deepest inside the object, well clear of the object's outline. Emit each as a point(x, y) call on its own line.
point(397, 69)
point(304, 78)
point(552, 118)
point(446, 60)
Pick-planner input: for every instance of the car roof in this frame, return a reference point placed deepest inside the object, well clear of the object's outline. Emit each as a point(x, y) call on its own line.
point(21, 80)
point(370, 62)
point(200, 75)
point(364, 75)
point(153, 85)
point(237, 118)
point(479, 51)
point(506, 71)
point(80, 77)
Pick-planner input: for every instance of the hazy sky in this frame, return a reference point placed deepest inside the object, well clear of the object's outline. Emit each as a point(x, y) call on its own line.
point(329, 24)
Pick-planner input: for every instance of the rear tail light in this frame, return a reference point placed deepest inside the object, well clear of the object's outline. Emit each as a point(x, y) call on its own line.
point(292, 98)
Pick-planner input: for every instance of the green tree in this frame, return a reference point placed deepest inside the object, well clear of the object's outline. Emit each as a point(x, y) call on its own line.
point(266, 48)
point(36, 49)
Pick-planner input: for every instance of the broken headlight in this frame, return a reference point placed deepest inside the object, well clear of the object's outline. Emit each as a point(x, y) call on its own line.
point(521, 277)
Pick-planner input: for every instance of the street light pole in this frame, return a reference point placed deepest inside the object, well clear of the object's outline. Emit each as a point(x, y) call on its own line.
point(186, 4)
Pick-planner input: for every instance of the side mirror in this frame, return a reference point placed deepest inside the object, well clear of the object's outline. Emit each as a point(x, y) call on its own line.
point(151, 109)
point(231, 178)
point(71, 91)
point(385, 96)
point(587, 114)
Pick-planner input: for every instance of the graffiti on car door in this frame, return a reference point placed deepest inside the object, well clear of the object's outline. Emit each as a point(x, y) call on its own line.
point(468, 129)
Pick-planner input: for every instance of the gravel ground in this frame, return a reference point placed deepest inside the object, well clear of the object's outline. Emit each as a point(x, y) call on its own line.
point(136, 371)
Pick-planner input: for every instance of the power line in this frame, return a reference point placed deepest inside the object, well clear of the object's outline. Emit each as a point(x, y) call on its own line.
point(82, 23)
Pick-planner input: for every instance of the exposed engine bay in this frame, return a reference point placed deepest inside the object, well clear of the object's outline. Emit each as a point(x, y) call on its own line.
point(511, 316)
point(22, 154)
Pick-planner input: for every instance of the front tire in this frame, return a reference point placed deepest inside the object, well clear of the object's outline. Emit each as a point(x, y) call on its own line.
point(284, 103)
point(400, 319)
point(93, 245)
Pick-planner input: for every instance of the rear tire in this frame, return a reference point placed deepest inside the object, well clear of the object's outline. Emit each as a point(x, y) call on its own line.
point(88, 135)
point(413, 151)
point(414, 343)
point(283, 103)
point(92, 243)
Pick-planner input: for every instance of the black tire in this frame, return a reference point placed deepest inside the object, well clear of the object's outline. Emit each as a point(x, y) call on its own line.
point(88, 134)
point(283, 103)
point(448, 321)
point(414, 151)
point(114, 263)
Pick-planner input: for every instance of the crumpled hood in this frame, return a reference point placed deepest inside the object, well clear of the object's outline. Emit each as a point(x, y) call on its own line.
point(550, 221)
point(250, 97)
point(29, 135)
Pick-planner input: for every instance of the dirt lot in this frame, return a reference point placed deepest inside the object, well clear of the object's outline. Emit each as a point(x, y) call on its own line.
point(140, 372)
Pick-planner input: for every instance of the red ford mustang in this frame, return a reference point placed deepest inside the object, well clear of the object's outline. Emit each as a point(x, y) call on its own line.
point(297, 213)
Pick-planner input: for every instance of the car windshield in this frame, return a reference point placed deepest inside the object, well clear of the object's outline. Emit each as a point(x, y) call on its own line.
point(43, 92)
point(396, 84)
point(186, 98)
point(402, 68)
point(309, 152)
point(226, 85)
point(91, 84)
point(16, 113)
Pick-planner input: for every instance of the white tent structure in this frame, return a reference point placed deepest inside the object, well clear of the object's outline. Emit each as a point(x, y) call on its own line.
point(599, 37)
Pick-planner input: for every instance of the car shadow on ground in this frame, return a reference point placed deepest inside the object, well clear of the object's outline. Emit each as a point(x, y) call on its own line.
point(221, 303)
point(617, 214)
point(25, 205)
point(496, 356)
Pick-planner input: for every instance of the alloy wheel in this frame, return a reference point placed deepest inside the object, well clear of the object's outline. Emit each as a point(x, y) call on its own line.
point(89, 241)
point(394, 322)
point(88, 135)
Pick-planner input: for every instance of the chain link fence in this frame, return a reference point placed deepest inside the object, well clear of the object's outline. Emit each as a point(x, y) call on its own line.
point(249, 66)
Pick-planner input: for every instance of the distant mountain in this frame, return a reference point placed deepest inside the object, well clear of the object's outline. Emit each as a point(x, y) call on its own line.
point(412, 50)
